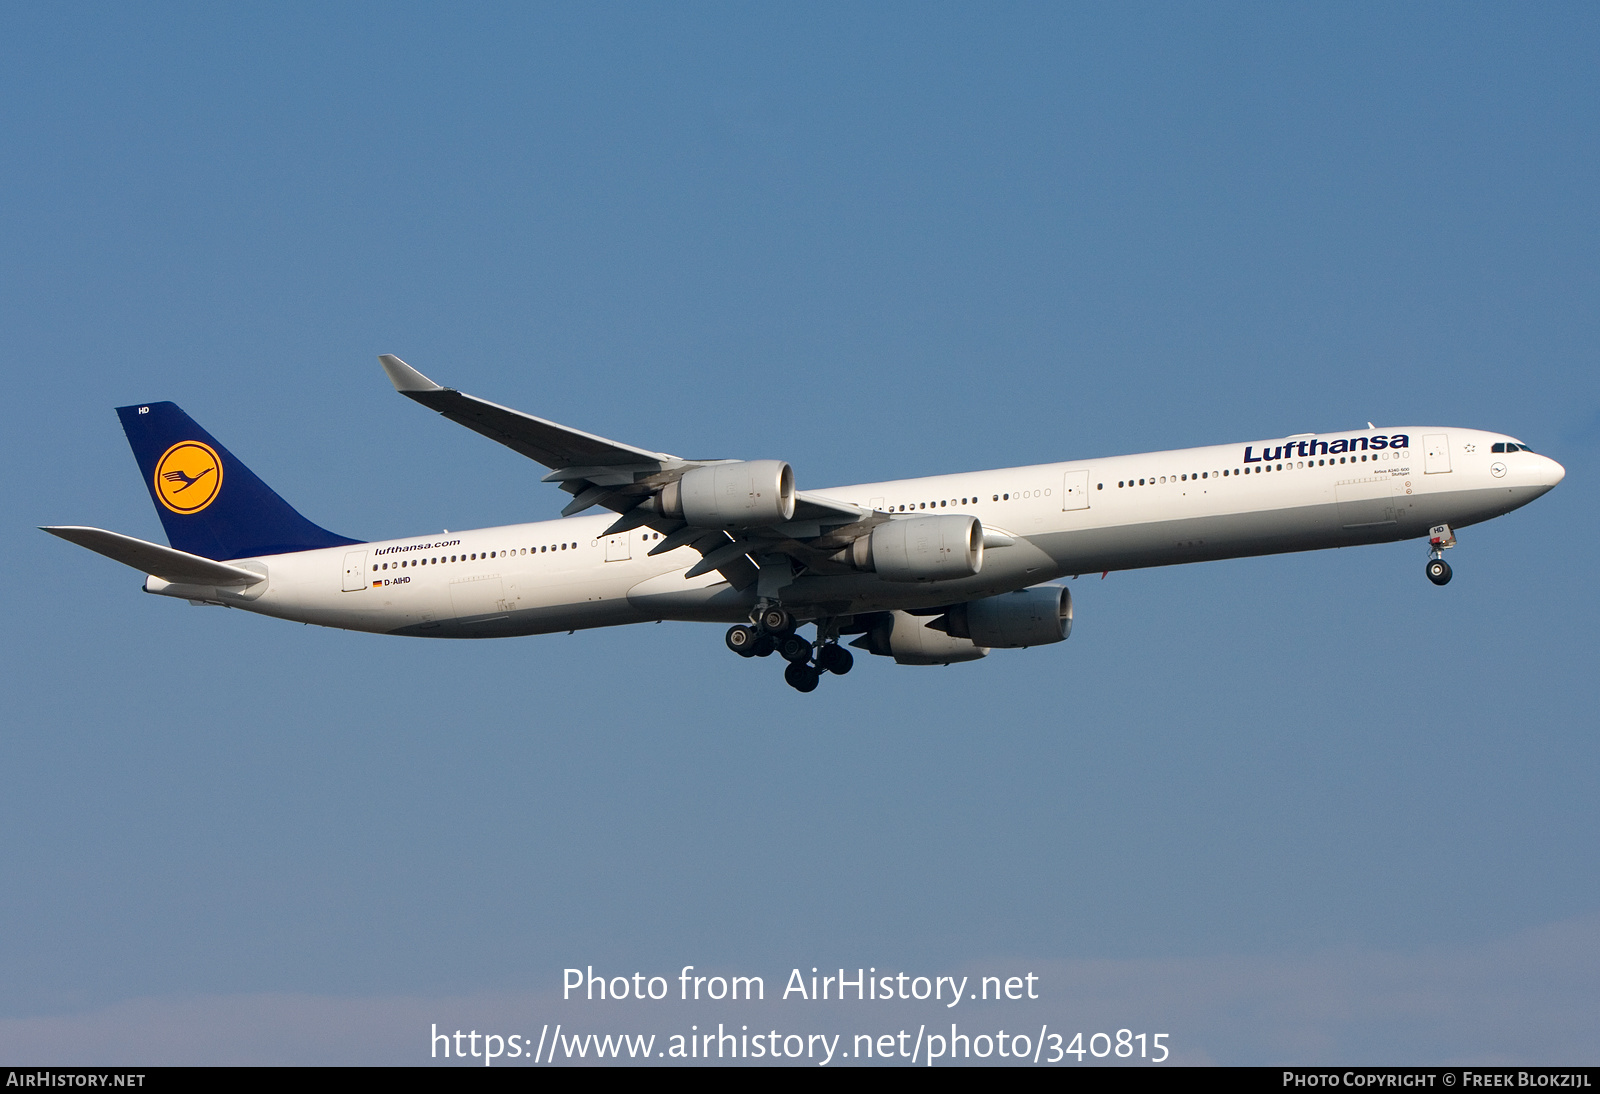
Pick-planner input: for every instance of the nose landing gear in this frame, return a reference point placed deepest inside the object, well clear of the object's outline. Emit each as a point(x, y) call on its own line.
point(1440, 538)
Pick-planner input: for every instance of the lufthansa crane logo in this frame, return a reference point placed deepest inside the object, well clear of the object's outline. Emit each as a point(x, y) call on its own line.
point(188, 476)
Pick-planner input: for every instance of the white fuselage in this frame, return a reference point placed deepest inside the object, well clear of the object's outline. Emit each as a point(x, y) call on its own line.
point(1085, 516)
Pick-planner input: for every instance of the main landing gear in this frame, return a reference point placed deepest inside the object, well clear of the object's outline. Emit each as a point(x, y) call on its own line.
point(774, 631)
point(1440, 537)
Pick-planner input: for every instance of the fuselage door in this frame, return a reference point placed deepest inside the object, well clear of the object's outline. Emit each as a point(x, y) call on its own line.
point(355, 571)
point(619, 548)
point(1075, 490)
point(1435, 454)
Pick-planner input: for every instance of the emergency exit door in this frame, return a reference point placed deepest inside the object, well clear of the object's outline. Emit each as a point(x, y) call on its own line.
point(1075, 490)
point(355, 571)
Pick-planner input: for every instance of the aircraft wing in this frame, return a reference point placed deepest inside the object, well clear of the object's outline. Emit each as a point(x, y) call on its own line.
point(555, 446)
point(178, 567)
point(625, 479)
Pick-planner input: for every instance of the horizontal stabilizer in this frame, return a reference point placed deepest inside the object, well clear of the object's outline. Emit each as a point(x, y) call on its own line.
point(178, 567)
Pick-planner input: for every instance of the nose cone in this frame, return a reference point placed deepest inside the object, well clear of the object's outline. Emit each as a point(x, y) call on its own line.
point(1549, 472)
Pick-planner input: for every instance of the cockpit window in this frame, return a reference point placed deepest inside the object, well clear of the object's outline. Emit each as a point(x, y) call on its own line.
point(1511, 446)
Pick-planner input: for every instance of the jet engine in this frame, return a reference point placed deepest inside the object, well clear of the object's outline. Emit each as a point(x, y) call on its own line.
point(1011, 621)
point(920, 548)
point(743, 494)
point(910, 641)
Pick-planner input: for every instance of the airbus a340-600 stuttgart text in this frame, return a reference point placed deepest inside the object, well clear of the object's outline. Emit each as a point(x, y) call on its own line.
point(929, 571)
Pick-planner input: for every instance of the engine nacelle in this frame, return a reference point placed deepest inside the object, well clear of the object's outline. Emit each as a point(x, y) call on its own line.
point(921, 548)
point(1011, 621)
point(746, 494)
point(910, 641)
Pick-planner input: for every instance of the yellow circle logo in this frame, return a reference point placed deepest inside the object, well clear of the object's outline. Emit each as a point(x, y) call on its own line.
point(188, 476)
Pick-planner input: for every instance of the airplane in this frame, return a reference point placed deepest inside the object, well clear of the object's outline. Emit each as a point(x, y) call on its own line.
point(928, 571)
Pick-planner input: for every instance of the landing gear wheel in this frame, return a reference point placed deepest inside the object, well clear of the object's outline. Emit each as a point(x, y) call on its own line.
point(763, 647)
point(835, 659)
point(741, 640)
point(801, 676)
point(794, 649)
point(777, 621)
point(1438, 571)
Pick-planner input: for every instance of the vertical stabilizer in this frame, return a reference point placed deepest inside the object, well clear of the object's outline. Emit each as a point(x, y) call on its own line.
point(210, 503)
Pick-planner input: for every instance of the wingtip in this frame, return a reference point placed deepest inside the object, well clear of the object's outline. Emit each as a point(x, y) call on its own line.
point(403, 376)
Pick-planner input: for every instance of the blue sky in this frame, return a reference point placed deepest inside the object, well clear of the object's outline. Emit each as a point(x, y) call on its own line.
point(876, 242)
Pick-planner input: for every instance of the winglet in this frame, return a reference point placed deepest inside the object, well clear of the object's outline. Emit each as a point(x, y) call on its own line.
point(404, 377)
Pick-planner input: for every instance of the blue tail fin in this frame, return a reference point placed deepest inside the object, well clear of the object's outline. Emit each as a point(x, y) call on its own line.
point(211, 504)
